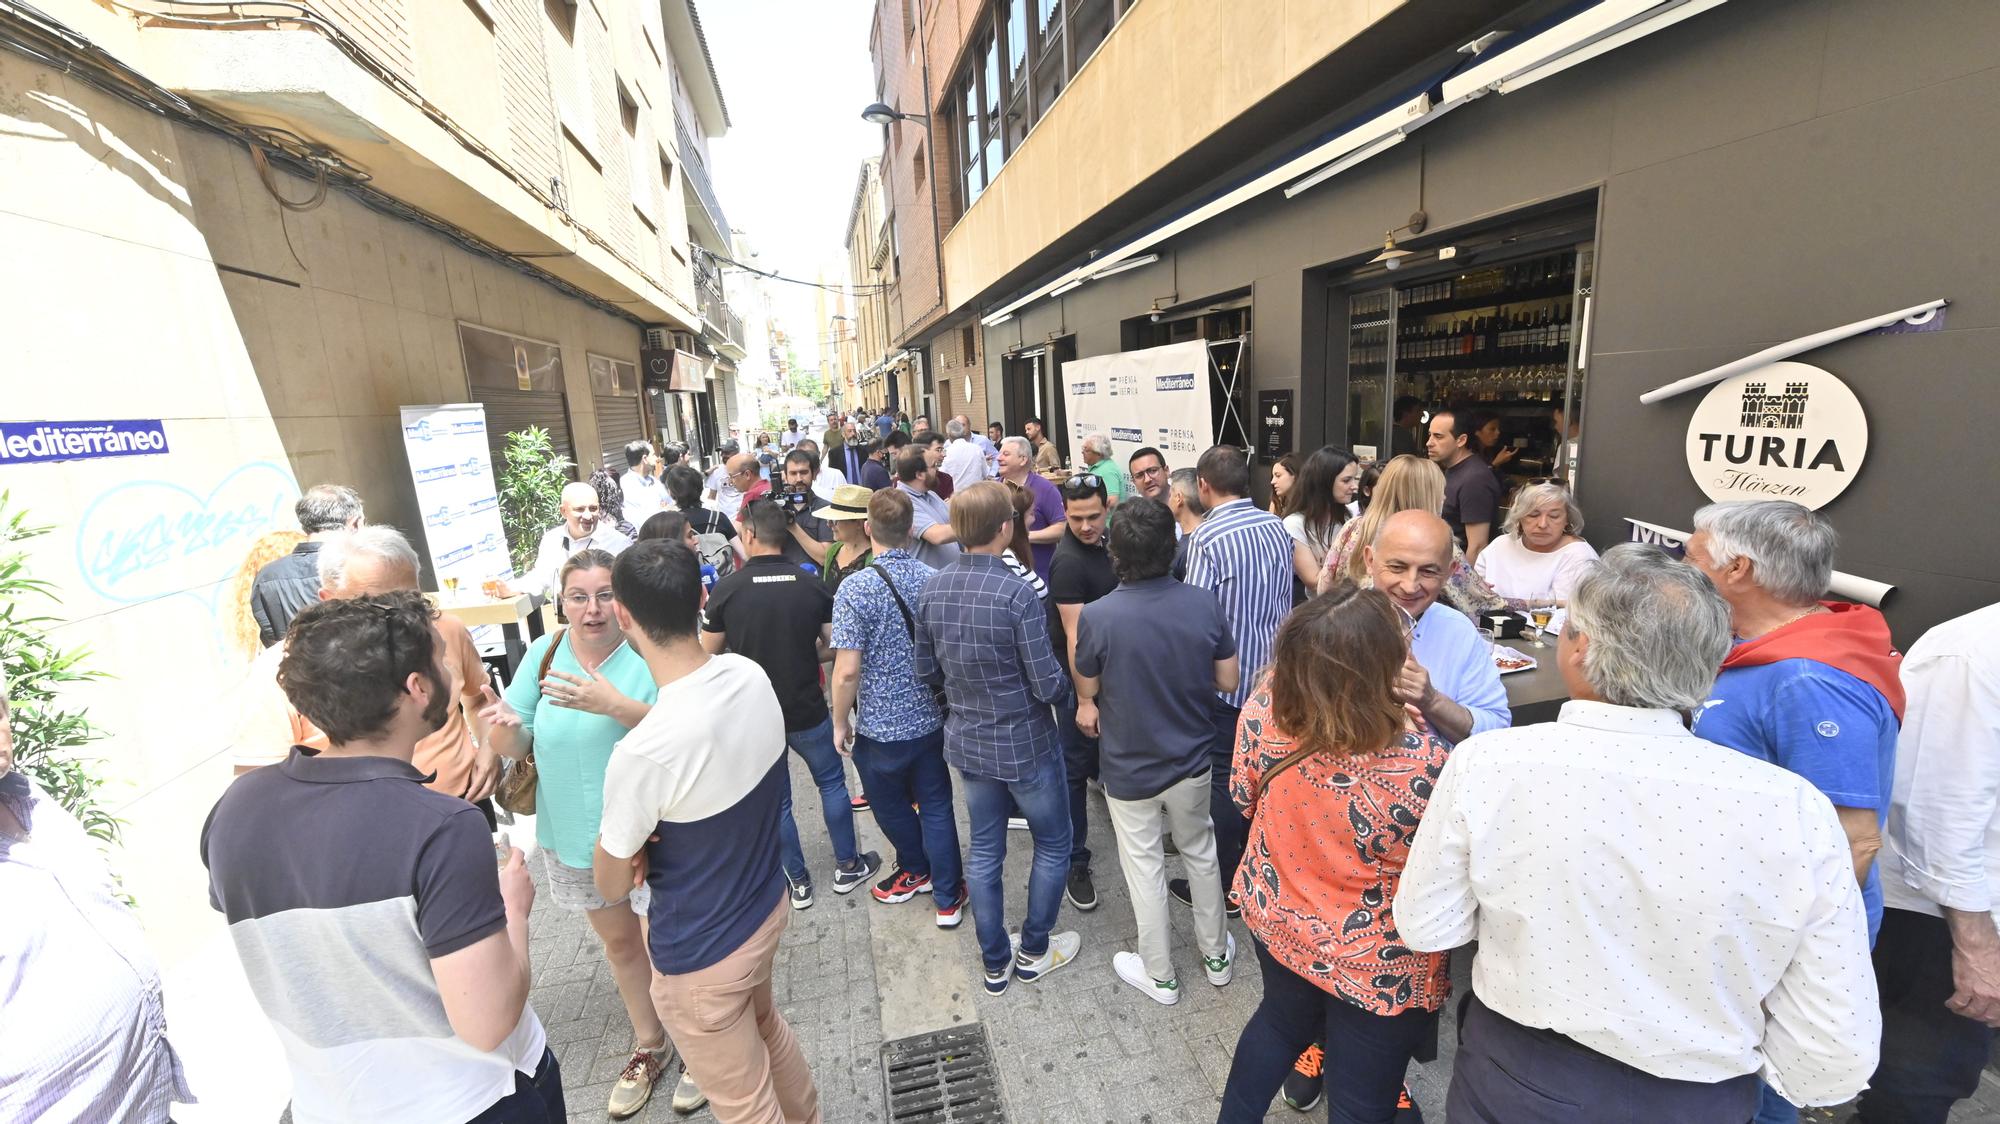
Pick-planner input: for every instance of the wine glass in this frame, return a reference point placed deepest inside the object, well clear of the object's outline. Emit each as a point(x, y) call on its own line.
point(1540, 611)
point(451, 589)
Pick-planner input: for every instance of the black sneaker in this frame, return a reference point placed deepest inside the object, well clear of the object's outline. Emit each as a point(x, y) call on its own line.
point(1079, 890)
point(845, 879)
point(1177, 888)
point(800, 891)
point(996, 981)
point(1307, 1080)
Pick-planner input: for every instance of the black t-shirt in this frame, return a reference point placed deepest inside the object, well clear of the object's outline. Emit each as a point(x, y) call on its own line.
point(1471, 495)
point(771, 611)
point(1078, 575)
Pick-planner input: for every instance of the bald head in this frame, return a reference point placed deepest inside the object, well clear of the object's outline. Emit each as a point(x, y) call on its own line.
point(742, 468)
point(580, 510)
point(1410, 559)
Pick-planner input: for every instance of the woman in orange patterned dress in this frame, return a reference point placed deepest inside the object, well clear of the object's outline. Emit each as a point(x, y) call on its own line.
point(1334, 775)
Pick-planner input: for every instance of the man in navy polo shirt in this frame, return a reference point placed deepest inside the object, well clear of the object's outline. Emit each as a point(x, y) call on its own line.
point(365, 908)
point(691, 806)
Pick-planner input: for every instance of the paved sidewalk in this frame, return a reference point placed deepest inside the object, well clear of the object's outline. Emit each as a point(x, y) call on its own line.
point(1080, 1047)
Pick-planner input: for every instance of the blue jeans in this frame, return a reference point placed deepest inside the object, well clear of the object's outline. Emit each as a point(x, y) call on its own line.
point(1043, 798)
point(1079, 765)
point(1366, 1053)
point(1232, 831)
point(897, 774)
point(535, 1100)
point(1931, 1055)
point(816, 747)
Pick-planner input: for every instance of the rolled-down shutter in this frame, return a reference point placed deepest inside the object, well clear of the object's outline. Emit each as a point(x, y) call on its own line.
point(618, 425)
point(508, 412)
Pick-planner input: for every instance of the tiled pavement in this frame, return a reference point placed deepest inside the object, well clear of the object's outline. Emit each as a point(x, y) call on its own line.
point(1078, 1048)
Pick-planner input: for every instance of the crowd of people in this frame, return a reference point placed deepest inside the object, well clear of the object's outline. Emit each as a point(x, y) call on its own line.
point(1749, 867)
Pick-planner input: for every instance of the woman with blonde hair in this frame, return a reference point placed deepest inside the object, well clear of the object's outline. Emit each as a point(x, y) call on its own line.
point(245, 630)
point(1407, 482)
point(1334, 775)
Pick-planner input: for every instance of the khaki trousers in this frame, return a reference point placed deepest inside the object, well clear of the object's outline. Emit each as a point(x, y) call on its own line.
point(736, 1044)
point(1143, 858)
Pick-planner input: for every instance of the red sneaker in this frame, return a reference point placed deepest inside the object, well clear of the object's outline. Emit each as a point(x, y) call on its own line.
point(948, 917)
point(901, 887)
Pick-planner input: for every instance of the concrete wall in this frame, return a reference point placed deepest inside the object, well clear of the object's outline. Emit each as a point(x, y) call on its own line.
point(1168, 76)
point(117, 221)
point(1764, 171)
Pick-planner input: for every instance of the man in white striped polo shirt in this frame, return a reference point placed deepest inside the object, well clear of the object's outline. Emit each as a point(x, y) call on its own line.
point(1242, 554)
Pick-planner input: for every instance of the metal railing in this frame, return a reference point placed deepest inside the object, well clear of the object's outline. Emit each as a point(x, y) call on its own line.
point(697, 174)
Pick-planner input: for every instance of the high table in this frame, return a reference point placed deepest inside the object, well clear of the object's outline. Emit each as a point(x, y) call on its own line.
point(474, 609)
point(1535, 695)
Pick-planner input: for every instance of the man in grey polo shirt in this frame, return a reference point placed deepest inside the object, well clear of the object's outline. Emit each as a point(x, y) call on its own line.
point(1147, 655)
point(931, 537)
point(391, 960)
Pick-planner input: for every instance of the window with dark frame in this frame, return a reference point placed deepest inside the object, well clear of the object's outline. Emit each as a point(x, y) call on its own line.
point(1021, 56)
point(968, 344)
point(628, 112)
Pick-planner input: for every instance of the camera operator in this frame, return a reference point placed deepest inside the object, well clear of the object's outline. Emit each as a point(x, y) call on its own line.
point(809, 534)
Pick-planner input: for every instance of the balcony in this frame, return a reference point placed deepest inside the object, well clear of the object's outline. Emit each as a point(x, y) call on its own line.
point(706, 224)
point(721, 327)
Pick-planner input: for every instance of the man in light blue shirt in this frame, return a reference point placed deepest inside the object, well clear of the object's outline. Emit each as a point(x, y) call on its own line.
point(1449, 675)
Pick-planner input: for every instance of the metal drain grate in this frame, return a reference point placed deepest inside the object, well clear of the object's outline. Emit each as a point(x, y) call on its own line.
point(944, 1077)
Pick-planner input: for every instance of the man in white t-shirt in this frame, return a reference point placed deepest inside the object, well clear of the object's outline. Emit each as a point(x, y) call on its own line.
point(692, 800)
point(717, 491)
point(791, 435)
point(640, 486)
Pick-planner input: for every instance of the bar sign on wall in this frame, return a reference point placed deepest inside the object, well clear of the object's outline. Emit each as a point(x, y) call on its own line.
point(35, 442)
point(1274, 423)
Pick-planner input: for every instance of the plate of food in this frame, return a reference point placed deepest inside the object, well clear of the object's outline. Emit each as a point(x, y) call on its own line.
point(1510, 660)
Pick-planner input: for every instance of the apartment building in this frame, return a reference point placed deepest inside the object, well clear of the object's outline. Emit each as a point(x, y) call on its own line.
point(874, 262)
point(262, 232)
point(1538, 211)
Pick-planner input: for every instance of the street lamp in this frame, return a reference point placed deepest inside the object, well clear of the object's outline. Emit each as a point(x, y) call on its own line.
point(880, 114)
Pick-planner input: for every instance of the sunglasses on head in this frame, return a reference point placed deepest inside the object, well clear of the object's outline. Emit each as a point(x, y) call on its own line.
point(1079, 487)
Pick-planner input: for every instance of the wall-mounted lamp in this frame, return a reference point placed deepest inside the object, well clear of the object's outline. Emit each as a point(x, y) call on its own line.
point(1392, 255)
point(879, 114)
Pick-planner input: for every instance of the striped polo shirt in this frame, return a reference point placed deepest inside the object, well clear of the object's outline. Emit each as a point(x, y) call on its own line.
point(1244, 556)
point(342, 878)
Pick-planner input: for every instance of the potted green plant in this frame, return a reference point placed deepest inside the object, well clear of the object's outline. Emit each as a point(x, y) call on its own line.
point(531, 483)
point(48, 735)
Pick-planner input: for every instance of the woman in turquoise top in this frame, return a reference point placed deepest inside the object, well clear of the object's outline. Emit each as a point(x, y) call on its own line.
point(576, 693)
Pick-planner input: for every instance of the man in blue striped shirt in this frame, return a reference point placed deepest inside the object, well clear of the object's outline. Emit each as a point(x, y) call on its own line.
point(982, 634)
point(1244, 556)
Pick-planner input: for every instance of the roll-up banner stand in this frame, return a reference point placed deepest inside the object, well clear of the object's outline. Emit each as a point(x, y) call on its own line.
point(1156, 397)
point(453, 471)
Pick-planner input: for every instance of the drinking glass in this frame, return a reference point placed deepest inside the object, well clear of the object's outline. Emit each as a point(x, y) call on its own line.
point(1539, 614)
point(451, 589)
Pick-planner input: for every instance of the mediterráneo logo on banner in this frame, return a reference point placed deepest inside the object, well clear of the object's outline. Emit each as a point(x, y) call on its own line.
point(33, 442)
point(1174, 382)
point(1783, 431)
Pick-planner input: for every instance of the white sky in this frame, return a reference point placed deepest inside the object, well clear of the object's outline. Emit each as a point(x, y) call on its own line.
point(795, 75)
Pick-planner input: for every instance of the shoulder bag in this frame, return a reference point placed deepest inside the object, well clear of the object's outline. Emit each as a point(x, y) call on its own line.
point(517, 789)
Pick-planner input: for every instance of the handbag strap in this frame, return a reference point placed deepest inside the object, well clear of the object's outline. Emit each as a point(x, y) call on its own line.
point(549, 657)
point(909, 621)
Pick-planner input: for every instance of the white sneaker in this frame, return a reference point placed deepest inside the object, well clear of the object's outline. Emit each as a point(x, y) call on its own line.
point(1062, 949)
point(1220, 971)
point(1131, 967)
point(688, 1098)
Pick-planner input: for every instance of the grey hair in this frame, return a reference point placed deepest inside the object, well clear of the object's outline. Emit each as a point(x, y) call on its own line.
point(1658, 629)
point(1099, 443)
point(1535, 495)
point(954, 429)
point(1790, 547)
point(1020, 445)
point(1184, 482)
point(327, 507)
point(379, 541)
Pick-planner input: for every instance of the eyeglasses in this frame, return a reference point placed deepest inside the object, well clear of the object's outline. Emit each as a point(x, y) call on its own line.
point(1083, 486)
point(583, 600)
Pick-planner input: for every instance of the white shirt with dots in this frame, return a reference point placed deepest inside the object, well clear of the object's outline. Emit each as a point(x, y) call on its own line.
point(1668, 902)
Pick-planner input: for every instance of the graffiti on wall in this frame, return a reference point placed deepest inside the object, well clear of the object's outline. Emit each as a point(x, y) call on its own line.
point(146, 539)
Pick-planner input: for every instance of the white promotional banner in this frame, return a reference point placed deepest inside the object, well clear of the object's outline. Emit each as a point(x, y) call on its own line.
point(454, 478)
point(1157, 397)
